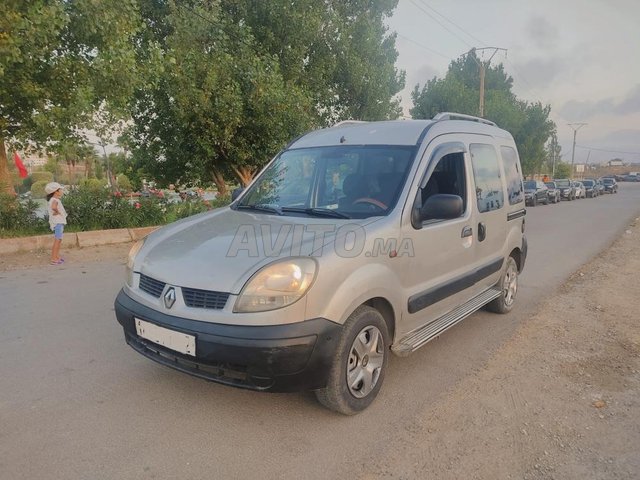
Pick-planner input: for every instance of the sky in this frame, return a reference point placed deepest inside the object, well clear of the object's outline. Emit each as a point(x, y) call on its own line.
point(580, 57)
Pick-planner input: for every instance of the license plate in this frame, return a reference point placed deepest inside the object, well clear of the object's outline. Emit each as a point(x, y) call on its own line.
point(180, 342)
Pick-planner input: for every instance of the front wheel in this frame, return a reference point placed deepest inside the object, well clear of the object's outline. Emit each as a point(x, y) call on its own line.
point(509, 285)
point(358, 369)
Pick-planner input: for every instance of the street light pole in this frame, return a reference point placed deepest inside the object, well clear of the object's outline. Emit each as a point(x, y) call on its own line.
point(575, 131)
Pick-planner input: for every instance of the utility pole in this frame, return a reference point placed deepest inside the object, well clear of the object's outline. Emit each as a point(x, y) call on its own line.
point(575, 131)
point(482, 66)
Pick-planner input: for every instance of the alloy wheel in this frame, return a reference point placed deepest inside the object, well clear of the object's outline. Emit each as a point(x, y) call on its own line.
point(510, 285)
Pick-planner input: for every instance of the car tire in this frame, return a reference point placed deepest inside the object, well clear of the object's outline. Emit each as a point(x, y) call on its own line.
point(534, 201)
point(509, 285)
point(358, 368)
point(546, 199)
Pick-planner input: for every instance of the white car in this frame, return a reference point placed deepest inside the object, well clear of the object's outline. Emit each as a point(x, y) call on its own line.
point(581, 191)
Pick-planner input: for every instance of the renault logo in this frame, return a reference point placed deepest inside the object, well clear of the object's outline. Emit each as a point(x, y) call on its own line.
point(170, 297)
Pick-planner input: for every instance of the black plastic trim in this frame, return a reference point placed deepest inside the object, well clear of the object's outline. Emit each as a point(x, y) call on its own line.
point(424, 299)
point(274, 358)
point(517, 214)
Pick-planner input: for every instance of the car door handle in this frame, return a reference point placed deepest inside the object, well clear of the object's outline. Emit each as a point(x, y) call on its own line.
point(466, 232)
point(482, 231)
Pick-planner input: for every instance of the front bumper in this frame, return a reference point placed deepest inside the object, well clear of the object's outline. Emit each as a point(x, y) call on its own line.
point(276, 358)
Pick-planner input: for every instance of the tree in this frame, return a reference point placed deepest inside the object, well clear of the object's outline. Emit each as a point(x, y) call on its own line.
point(238, 79)
point(458, 92)
point(563, 170)
point(553, 153)
point(338, 50)
point(59, 60)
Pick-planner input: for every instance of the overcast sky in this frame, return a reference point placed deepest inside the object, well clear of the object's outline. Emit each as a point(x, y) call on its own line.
point(580, 57)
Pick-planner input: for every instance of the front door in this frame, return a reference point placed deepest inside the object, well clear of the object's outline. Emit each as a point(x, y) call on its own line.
point(435, 278)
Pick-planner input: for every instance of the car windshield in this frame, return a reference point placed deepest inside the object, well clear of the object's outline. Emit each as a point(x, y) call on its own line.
point(530, 185)
point(588, 183)
point(607, 181)
point(336, 181)
point(563, 183)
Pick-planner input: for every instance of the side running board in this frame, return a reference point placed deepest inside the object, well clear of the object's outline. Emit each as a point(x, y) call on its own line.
point(416, 339)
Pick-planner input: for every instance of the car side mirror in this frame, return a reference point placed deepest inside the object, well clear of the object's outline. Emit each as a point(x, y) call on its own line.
point(439, 207)
point(236, 193)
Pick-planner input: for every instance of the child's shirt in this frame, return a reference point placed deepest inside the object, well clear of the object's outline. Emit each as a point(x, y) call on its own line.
point(61, 217)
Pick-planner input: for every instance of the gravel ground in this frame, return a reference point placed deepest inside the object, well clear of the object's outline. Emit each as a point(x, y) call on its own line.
point(560, 399)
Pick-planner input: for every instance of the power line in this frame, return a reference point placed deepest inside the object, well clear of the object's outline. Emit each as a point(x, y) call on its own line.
point(475, 39)
point(606, 151)
point(440, 23)
point(424, 47)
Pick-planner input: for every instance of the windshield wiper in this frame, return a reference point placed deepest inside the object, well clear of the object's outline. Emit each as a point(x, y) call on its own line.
point(317, 212)
point(261, 208)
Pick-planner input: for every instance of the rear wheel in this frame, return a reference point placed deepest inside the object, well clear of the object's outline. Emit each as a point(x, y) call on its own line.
point(534, 201)
point(509, 285)
point(358, 369)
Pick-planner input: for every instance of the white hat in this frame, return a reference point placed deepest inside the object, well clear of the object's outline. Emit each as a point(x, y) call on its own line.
point(52, 187)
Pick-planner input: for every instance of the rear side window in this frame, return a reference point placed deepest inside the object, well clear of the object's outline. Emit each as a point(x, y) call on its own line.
point(486, 172)
point(514, 177)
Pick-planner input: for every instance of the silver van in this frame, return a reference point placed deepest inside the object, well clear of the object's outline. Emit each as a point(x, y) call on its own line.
point(355, 241)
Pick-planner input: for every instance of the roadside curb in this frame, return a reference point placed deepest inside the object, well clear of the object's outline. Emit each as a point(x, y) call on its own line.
point(75, 240)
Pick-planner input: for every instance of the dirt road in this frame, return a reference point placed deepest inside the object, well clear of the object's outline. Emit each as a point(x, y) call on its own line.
point(561, 399)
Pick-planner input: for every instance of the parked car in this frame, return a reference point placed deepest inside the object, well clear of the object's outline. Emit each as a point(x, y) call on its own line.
point(580, 190)
point(303, 284)
point(610, 185)
point(630, 178)
point(567, 190)
point(600, 186)
point(535, 192)
point(591, 188)
point(553, 192)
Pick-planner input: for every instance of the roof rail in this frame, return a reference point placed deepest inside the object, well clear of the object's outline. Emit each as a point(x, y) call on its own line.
point(347, 122)
point(462, 116)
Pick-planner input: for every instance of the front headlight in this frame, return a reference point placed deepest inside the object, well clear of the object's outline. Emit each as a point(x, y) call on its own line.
point(131, 258)
point(277, 285)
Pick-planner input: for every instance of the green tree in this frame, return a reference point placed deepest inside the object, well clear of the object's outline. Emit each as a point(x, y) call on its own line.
point(236, 80)
point(340, 51)
point(458, 92)
point(553, 153)
point(563, 170)
point(60, 60)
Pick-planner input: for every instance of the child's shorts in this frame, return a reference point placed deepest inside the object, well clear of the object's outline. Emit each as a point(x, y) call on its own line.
point(57, 231)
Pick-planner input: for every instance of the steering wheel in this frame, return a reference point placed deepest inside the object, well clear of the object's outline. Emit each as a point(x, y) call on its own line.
point(371, 201)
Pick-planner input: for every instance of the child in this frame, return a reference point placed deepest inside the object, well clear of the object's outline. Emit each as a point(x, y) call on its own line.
point(57, 219)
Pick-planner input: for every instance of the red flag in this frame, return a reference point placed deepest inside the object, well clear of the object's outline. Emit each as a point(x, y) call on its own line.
point(20, 165)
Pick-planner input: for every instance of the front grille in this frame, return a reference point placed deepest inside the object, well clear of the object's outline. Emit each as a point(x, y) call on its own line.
point(151, 286)
point(204, 298)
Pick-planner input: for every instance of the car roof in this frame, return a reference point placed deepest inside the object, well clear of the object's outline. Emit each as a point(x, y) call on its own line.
point(392, 132)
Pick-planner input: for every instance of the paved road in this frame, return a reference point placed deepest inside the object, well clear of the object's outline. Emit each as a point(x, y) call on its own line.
point(77, 403)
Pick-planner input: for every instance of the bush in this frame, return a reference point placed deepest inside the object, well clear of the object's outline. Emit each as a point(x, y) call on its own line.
point(37, 189)
point(45, 177)
point(91, 206)
point(124, 183)
point(18, 218)
point(94, 185)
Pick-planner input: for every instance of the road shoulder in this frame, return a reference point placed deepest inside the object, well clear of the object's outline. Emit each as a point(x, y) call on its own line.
point(561, 399)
